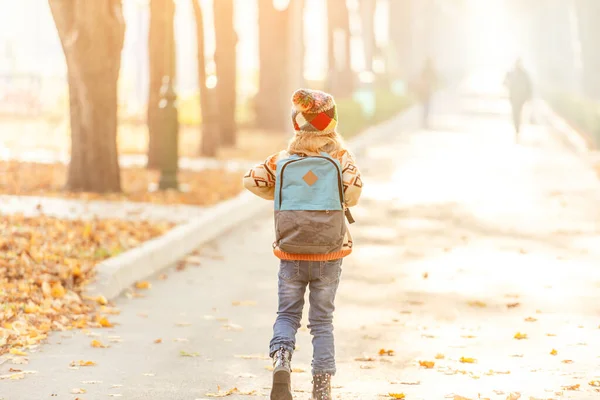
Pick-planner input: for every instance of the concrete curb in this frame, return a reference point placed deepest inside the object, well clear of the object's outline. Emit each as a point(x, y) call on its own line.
point(116, 274)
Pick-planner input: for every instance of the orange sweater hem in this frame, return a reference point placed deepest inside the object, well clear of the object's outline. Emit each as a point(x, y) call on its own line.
point(311, 257)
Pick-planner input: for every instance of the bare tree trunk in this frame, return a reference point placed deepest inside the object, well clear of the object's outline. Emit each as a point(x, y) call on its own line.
point(210, 140)
point(587, 17)
point(162, 15)
point(367, 11)
point(92, 35)
point(340, 80)
point(400, 28)
point(272, 101)
point(225, 60)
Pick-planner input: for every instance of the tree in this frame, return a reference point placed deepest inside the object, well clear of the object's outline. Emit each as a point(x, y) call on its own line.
point(162, 15)
point(401, 36)
point(225, 60)
point(92, 35)
point(587, 13)
point(340, 80)
point(367, 12)
point(209, 143)
point(271, 105)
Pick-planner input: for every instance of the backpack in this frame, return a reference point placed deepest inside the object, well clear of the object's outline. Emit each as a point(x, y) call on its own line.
point(309, 205)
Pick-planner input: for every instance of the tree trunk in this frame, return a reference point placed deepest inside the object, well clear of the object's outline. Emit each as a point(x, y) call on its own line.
point(272, 100)
point(367, 11)
point(400, 33)
point(340, 80)
point(92, 35)
point(162, 14)
point(587, 20)
point(225, 60)
point(209, 131)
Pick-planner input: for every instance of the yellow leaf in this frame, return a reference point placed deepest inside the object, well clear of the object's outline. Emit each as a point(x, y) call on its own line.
point(143, 285)
point(157, 341)
point(87, 231)
point(101, 300)
point(384, 352)
point(567, 361)
point(82, 363)
point(571, 387)
point(58, 290)
point(397, 395)
point(427, 364)
point(78, 391)
point(554, 352)
point(458, 397)
point(439, 356)
point(477, 303)
point(220, 393)
point(520, 336)
point(467, 360)
point(104, 322)
point(594, 383)
point(17, 352)
point(530, 319)
point(97, 344)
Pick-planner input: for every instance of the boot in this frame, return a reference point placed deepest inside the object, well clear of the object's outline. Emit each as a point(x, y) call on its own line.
point(282, 383)
point(322, 387)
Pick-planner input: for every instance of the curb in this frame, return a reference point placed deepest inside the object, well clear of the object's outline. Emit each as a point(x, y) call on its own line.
point(118, 273)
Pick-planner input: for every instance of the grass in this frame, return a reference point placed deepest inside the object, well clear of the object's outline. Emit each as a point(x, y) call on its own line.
point(583, 113)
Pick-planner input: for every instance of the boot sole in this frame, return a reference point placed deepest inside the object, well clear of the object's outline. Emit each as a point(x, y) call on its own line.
point(282, 386)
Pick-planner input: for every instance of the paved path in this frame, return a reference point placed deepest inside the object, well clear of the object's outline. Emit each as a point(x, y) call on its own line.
point(462, 236)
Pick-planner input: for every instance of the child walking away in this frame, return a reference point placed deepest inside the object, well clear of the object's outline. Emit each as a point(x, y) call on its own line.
point(312, 184)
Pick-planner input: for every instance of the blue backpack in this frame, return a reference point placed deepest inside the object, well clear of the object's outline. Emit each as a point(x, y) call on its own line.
point(309, 205)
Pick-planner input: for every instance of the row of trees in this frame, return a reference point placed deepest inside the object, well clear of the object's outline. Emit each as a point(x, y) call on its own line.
point(92, 36)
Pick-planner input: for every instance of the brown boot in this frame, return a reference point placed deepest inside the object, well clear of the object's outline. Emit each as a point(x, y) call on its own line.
point(282, 382)
point(322, 387)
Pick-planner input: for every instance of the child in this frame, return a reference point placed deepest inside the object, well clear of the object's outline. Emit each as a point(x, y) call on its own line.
point(313, 183)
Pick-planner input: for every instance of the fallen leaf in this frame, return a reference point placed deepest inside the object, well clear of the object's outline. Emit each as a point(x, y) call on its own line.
point(477, 303)
point(554, 352)
point(78, 391)
point(183, 324)
point(439, 356)
point(298, 370)
point(82, 363)
point(468, 336)
point(571, 387)
point(101, 300)
point(397, 395)
point(427, 364)
point(364, 366)
point(513, 305)
point(567, 361)
point(97, 344)
point(163, 277)
point(530, 319)
point(157, 341)
point(364, 359)
point(514, 396)
point(458, 397)
point(115, 395)
point(467, 360)
point(384, 352)
point(104, 322)
point(520, 336)
point(143, 285)
point(186, 354)
point(253, 356)
point(17, 352)
point(594, 383)
point(425, 275)
point(149, 374)
point(181, 340)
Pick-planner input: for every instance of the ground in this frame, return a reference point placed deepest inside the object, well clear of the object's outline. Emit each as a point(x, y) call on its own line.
point(465, 241)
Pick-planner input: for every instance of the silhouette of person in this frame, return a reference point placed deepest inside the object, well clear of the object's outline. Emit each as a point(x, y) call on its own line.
point(426, 84)
point(520, 91)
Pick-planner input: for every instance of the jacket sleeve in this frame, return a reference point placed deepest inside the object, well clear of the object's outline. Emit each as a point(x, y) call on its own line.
point(260, 179)
point(351, 176)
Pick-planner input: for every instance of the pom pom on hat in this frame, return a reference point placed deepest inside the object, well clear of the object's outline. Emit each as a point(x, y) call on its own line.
point(314, 112)
point(303, 100)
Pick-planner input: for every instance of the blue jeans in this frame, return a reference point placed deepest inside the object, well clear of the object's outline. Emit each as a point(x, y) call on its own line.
point(322, 278)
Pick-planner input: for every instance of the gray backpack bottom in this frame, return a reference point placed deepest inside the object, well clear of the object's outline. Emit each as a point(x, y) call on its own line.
point(310, 232)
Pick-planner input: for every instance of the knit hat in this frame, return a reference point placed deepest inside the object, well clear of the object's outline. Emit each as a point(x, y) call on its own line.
point(314, 112)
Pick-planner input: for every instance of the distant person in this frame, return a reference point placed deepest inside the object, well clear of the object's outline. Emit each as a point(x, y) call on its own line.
point(520, 91)
point(426, 85)
point(313, 182)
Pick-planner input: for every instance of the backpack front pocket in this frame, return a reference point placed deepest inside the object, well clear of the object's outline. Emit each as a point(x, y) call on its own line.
point(310, 232)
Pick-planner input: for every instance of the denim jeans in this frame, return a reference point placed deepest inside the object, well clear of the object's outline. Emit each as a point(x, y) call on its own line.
point(322, 278)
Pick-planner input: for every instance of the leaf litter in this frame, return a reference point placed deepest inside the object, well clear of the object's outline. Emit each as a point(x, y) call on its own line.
point(45, 265)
